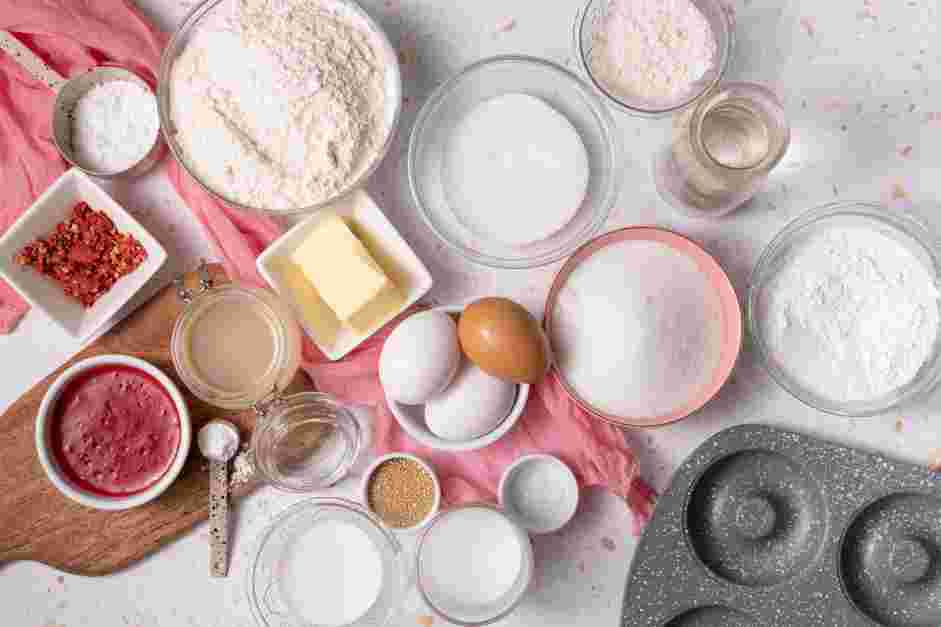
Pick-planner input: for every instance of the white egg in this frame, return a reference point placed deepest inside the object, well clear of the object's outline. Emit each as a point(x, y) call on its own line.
point(420, 357)
point(472, 406)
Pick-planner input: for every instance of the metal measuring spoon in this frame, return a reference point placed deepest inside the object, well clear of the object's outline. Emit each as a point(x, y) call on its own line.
point(68, 92)
point(218, 442)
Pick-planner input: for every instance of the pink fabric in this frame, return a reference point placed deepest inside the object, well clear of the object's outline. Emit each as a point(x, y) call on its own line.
point(71, 36)
point(76, 34)
point(552, 423)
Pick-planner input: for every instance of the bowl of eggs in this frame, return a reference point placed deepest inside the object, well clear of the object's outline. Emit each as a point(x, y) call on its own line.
point(458, 379)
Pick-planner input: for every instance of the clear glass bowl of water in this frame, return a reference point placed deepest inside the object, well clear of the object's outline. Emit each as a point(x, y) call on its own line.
point(491, 78)
point(305, 442)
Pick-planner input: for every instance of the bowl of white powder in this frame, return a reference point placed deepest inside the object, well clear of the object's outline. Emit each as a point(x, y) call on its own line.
point(843, 308)
point(279, 106)
point(653, 57)
point(514, 162)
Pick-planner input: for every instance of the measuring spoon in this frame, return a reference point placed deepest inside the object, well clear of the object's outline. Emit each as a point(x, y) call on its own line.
point(68, 92)
point(218, 442)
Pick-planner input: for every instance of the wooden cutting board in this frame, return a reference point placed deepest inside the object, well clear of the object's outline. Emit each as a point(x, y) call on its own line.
point(38, 523)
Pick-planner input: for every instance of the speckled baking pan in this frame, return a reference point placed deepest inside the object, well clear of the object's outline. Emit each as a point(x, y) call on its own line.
point(764, 527)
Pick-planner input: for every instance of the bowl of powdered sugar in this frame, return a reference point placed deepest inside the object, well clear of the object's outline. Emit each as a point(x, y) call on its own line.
point(279, 106)
point(653, 57)
point(843, 308)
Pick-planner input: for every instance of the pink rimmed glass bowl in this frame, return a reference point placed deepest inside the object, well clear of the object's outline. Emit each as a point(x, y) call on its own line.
point(731, 324)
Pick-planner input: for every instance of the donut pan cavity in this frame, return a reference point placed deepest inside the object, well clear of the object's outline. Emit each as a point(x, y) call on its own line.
point(768, 528)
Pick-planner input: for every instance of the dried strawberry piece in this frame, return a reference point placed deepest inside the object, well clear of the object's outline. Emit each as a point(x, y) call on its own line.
point(85, 254)
point(82, 253)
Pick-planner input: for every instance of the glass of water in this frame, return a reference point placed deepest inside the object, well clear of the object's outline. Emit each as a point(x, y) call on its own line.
point(722, 150)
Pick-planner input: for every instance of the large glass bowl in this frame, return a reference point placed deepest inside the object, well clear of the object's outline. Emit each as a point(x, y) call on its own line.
point(589, 19)
point(272, 588)
point(214, 10)
point(901, 227)
point(494, 77)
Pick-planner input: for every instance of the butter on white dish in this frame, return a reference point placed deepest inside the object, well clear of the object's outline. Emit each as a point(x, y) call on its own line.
point(349, 278)
point(344, 274)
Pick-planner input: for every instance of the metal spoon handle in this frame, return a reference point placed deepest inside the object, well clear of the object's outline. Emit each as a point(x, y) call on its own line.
point(218, 519)
point(30, 61)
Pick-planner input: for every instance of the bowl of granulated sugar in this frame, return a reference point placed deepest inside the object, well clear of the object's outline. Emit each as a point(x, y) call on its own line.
point(644, 325)
point(653, 57)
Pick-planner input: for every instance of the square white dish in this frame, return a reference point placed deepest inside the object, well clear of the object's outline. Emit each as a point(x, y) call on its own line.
point(384, 243)
point(43, 293)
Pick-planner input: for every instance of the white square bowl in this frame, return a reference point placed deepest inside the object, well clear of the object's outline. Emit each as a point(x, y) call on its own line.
point(43, 293)
point(376, 232)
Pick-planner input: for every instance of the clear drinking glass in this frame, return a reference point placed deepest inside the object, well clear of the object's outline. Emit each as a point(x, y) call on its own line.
point(722, 150)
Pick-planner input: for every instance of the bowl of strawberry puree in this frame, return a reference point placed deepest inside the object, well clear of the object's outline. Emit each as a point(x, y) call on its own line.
point(113, 432)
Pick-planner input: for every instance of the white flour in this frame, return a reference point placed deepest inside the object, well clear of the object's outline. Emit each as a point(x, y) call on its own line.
point(637, 329)
point(114, 125)
point(852, 314)
point(652, 50)
point(281, 104)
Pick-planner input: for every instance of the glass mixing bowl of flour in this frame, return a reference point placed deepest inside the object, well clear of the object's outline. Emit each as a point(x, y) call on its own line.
point(279, 111)
point(843, 308)
point(588, 34)
point(514, 162)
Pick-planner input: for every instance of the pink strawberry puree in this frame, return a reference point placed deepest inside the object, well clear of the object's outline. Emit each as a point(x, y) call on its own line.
point(73, 36)
point(115, 431)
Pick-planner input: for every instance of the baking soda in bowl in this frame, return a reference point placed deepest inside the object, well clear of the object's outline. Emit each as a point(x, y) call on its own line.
point(331, 575)
point(474, 564)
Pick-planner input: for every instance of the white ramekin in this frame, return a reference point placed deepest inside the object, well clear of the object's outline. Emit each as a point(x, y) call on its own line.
point(47, 458)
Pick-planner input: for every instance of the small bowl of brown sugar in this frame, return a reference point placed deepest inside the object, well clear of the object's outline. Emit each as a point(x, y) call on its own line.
point(402, 490)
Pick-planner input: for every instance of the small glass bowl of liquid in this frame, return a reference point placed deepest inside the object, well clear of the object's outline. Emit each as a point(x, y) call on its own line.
point(306, 442)
point(234, 346)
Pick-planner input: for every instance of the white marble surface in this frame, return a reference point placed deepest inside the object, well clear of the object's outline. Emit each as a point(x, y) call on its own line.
point(861, 82)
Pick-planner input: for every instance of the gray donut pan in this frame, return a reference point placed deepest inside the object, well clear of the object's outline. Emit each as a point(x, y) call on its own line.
point(768, 528)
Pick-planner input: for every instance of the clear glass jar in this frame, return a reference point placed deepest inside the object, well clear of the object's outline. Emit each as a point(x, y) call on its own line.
point(305, 442)
point(234, 345)
point(722, 150)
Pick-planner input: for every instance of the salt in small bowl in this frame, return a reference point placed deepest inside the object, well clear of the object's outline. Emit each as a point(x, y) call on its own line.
point(556, 502)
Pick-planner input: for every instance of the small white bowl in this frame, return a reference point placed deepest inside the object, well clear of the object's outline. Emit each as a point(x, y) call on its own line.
point(364, 488)
point(50, 465)
point(400, 262)
point(412, 417)
point(52, 207)
point(557, 485)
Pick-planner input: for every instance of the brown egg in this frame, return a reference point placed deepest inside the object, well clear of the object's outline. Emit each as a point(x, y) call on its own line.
point(504, 340)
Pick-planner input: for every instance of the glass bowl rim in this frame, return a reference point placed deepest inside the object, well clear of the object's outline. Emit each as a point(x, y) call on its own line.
point(898, 220)
point(725, 56)
point(609, 134)
point(173, 49)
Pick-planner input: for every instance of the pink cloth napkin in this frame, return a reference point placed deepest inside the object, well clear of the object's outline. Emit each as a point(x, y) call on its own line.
point(74, 35)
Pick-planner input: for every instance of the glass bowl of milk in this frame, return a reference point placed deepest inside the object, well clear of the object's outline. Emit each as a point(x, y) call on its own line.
point(474, 564)
point(326, 562)
point(514, 162)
